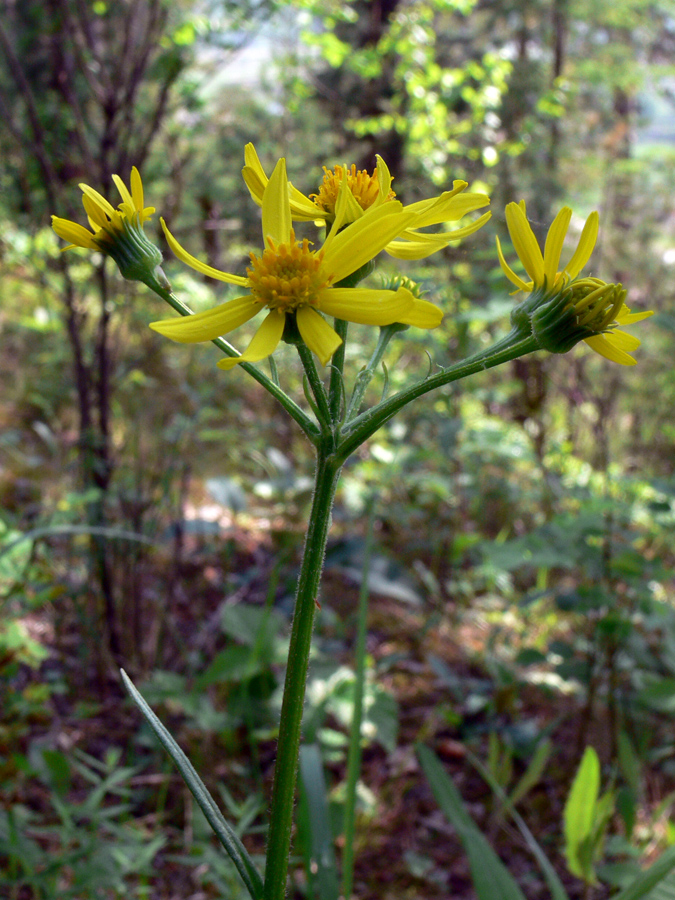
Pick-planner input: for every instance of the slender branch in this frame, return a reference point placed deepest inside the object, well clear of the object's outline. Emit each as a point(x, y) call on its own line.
point(336, 385)
point(365, 425)
point(365, 376)
point(318, 390)
point(294, 411)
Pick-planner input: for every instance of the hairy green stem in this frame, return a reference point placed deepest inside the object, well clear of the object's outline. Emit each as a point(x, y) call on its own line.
point(288, 747)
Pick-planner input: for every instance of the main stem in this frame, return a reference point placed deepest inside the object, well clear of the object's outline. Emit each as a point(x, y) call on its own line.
point(288, 747)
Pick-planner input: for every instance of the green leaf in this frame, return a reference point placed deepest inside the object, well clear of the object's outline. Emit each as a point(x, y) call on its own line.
point(654, 876)
point(579, 815)
point(491, 879)
point(227, 837)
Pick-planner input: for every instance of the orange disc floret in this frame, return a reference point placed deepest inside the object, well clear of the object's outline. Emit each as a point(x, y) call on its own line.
point(287, 275)
point(364, 187)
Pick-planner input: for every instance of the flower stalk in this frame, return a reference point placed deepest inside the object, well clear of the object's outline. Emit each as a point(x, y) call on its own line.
point(290, 725)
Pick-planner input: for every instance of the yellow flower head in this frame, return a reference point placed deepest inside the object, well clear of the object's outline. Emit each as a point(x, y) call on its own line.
point(291, 281)
point(364, 192)
point(591, 308)
point(364, 188)
point(116, 232)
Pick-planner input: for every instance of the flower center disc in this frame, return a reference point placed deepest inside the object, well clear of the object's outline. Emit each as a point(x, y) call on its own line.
point(364, 187)
point(287, 275)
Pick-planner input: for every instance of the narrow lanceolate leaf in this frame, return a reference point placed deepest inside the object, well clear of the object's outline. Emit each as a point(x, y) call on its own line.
point(227, 837)
point(491, 879)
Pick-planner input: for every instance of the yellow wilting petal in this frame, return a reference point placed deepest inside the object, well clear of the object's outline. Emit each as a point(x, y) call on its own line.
point(604, 347)
point(97, 218)
point(255, 186)
point(302, 208)
point(256, 181)
point(364, 239)
point(99, 200)
point(194, 263)
point(582, 254)
point(76, 235)
point(366, 306)
point(554, 244)
point(422, 315)
point(508, 271)
point(525, 243)
point(210, 324)
point(276, 207)
point(319, 336)
point(264, 341)
point(254, 174)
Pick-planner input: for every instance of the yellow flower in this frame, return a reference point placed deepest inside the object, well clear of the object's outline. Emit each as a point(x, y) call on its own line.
point(117, 232)
point(598, 306)
point(289, 279)
point(368, 191)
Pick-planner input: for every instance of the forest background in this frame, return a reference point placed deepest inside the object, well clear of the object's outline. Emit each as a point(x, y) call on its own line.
point(151, 507)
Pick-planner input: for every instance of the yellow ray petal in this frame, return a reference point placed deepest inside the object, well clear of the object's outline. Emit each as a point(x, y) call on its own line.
point(317, 333)
point(366, 306)
point(623, 341)
point(419, 244)
point(431, 205)
point(422, 315)
point(626, 317)
point(343, 204)
point(210, 324)
point(601, 345)
point(124, 193)
point(98, 199)
point(582, 254)
point(137, 191)
point(194, 263)
point(508, 271)
point(525, 243)
point(383, 179)
point(554, 244)
point(76, 235)
point(264, 341)
point(276, 207)
point(364, 239)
